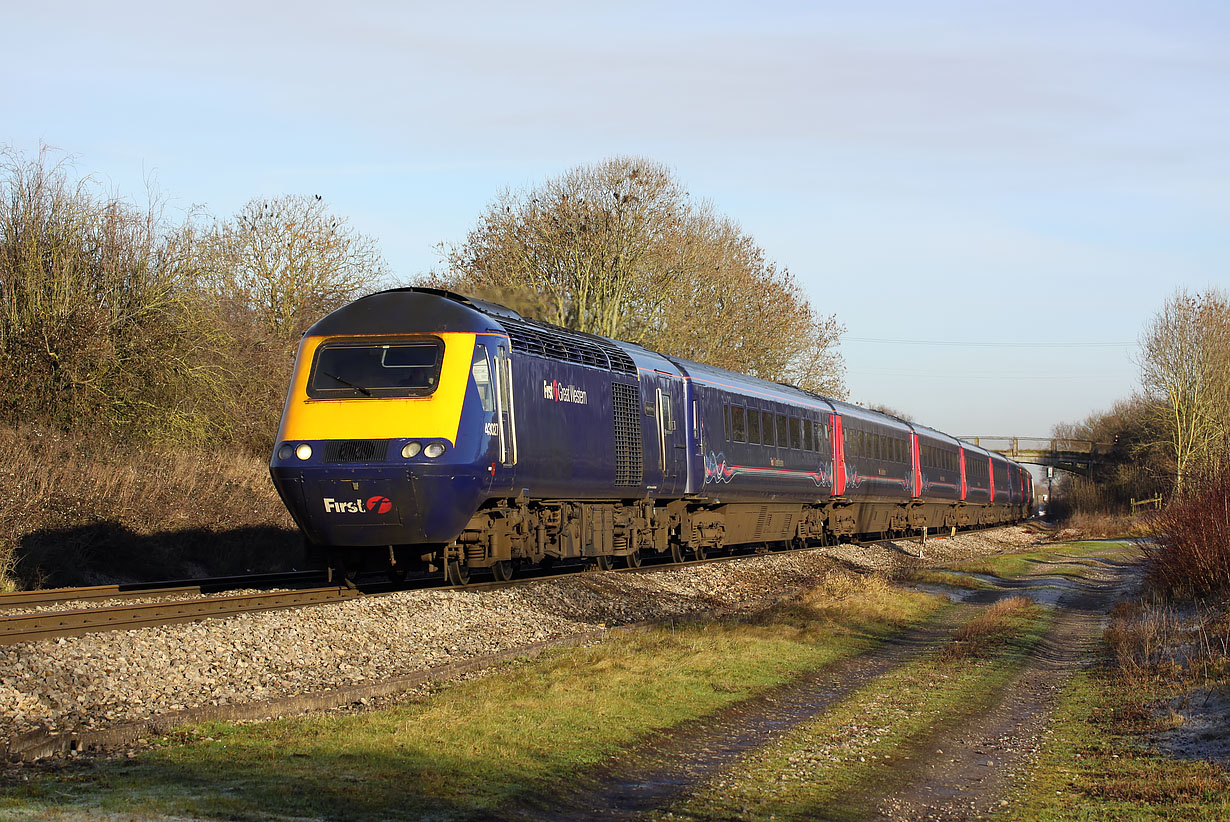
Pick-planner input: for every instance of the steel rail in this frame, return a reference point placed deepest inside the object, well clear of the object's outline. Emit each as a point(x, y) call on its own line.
point(50, 624)
point(50, 596)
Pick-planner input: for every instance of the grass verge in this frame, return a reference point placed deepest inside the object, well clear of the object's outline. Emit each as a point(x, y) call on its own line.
point(834, 767)
point(1096, 764)
point(81, 511)
point(1130, 740)
point(1059, 559)
point(927, 576)
point(472, 746)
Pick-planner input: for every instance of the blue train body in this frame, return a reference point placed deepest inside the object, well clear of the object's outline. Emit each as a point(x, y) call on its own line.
point(422, 427)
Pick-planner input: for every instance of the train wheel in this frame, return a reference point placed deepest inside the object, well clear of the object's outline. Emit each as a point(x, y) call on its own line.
point(502, 570)
point(699, 552)
point(676, 551)
point(338, 573)
point(456, 573)
point(633, 560)
point(603, 562)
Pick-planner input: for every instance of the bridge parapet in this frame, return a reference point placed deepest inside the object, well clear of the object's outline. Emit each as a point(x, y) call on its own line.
point(1074, 456)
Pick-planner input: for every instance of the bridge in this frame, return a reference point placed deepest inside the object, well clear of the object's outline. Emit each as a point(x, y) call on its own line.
point(1073, 456)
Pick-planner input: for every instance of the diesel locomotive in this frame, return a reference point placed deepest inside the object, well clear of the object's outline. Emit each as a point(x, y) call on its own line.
point(423, 429)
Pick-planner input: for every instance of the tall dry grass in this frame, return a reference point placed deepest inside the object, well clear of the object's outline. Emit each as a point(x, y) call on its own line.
point(983, 633)
point(1151, 641)
point(80, 510)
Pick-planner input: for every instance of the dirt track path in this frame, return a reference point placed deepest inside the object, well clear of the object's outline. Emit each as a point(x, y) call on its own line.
point(961, 773)
point(956, 774)
point(666, 766)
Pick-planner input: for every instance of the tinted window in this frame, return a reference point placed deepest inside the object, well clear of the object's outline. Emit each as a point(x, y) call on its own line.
point(782, 437)
point(767, 427)
point(796, 438)
point(480, 372)
point(753, 425)
point(738, 424)
point(809, 443)
point(376, 369)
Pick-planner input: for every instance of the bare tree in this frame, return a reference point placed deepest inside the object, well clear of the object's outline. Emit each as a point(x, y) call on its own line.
point(290, 261)
point(619, 249)
point(1185, 369)
point(892, 412)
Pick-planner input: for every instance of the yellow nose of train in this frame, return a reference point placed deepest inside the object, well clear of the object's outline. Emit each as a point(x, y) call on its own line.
point(386, 436)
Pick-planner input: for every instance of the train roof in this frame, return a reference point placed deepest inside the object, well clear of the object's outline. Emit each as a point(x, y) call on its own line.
point(394, 310)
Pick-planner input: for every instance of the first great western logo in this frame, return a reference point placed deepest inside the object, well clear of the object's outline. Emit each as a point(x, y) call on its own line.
point(371, 505)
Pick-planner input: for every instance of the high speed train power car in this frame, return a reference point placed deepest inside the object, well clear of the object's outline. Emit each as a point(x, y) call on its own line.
point(423, 429)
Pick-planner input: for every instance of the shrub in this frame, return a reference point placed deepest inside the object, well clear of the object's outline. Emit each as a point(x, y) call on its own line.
point(1190, 553)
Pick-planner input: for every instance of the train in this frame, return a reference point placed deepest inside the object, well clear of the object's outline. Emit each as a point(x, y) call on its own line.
point(427, 431)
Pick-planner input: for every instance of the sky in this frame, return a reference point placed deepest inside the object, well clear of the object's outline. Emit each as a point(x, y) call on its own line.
point(993, 198)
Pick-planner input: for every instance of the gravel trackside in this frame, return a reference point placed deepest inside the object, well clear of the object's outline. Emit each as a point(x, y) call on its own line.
point(103, 679)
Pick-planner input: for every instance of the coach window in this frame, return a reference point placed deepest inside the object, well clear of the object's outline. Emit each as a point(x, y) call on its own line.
point(753, 426)
point(796, 439)
point(808, 443)
point(738, 423)
point(668, 411)
point(726, 421)
point(783, 439)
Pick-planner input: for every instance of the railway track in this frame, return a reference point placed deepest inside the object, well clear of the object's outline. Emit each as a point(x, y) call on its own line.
point(51, 624)
point(51, 596)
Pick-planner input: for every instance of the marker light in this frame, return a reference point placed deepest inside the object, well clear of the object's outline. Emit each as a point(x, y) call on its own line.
point(411, 449)
point(304, 451)
point(434, 450)
point(285, 451)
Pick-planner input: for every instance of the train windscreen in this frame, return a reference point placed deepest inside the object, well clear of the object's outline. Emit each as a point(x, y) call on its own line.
point(376, 369)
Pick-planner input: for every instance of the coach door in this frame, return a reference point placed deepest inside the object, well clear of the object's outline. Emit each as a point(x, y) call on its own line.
point(505, 412)
point(672, 436)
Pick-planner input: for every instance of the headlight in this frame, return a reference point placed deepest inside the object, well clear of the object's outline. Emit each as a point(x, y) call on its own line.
point(411, 449)
point(285, 451)
point(434, 450)
point(304, 451)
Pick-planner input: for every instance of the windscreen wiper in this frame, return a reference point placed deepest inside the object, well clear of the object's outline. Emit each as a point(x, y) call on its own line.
point(347, 383)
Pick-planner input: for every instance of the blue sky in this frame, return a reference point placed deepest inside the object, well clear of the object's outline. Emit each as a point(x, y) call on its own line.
point(1029, 179)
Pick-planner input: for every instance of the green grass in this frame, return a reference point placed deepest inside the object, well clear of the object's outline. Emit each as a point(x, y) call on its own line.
point(1051, 560)
point(1095, 765)
point(948, 578)
point(472, 746)
point(835, 767)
